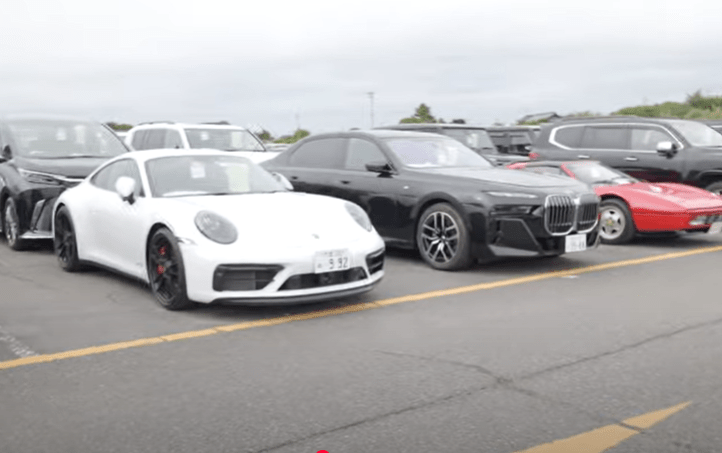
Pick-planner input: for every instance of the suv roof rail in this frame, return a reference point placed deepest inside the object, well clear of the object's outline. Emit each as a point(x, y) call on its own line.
point(219, 123)
point(600, 117)
point(156, 122)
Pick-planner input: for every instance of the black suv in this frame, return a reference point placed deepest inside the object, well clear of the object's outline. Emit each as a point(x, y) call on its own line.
point(714, 124)
point(514, 140)
point(432, 193)
point(650, 149)
point(41, 157)
point(474, 137)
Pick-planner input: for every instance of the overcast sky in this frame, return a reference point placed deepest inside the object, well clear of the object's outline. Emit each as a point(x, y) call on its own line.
point(274, 63)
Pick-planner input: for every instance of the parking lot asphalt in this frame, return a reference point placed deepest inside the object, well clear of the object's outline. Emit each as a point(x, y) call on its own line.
point(493, 368)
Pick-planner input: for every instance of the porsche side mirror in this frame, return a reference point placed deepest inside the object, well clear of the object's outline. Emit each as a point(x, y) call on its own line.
point(379, 167)
point(283, 180)
point(125, 187)
point(667, 149)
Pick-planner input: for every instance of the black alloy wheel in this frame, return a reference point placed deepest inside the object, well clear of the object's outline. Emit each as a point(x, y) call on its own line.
point(65, 242)
point(11, 225)
point(443, 239)
point(166, 272)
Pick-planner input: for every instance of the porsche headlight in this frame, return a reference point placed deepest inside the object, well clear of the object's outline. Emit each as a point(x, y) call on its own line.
point(216, 228)
point(359, 215)
point(699, 220)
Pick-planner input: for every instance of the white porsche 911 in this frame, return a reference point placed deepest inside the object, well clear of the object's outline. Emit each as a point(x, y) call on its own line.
point(207, 226)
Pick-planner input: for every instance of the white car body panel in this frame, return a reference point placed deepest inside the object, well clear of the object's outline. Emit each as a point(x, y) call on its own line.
point(284, 228)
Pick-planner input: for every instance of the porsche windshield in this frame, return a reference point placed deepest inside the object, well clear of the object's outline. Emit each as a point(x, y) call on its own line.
point(59, 139)
point(435, 152)
point(226, 139)
point(181, 176)
point(593, 173)
point(698, 134)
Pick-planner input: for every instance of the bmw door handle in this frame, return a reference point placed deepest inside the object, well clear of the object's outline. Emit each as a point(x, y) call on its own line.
point(294, 178)
point(631, 159)
point(345, 182)
point(583, 156)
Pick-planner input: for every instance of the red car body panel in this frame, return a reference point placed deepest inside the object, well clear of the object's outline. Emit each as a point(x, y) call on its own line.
point(657, 207)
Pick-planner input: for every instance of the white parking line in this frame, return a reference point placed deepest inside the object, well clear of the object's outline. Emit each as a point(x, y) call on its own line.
point(15, 345)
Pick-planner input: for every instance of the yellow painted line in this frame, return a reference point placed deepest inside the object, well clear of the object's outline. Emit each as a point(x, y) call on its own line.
point(347, 309)
point(610, 436)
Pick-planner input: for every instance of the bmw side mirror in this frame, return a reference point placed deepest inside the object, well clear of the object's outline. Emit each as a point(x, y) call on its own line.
point(379, 167)
point(667, 149)
point(125, 187)
point(283, 180)
point(6, 154)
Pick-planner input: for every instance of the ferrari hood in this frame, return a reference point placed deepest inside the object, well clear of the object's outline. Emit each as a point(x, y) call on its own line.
point(685, 196)
point(286, 218)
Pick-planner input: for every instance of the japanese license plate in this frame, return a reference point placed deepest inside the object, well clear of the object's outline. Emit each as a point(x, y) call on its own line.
point(332, 261)
point(715, 228)
point(575, 243)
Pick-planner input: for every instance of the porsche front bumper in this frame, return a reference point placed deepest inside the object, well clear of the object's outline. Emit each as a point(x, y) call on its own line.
point(230, 275)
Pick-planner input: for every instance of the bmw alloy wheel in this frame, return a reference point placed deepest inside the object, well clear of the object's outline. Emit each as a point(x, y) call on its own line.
point(440, 237)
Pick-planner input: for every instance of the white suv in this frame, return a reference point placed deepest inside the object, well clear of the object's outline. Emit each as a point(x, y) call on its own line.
point(224, 137)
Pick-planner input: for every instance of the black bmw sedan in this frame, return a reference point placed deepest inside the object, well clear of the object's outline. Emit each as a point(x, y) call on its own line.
point(39, 158)
point(432, 193)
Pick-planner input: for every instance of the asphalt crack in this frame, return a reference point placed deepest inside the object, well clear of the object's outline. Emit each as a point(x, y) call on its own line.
point(507, 383)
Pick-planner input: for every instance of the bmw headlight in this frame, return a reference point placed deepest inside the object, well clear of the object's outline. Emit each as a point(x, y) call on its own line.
point(216, 228)
point(513, 195)
point(699, 220)
point(359, 215)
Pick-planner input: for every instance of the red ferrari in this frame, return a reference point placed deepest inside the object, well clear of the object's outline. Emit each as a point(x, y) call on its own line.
point(630, 206)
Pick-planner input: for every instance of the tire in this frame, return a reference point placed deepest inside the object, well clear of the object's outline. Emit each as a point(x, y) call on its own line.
point(715, 187)
point(11, 225)
point(166, 273)
point(617, 226)
point(433, 242)
point(65, 241)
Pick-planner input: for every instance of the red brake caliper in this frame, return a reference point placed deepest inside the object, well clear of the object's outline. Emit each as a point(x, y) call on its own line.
point(160, 269)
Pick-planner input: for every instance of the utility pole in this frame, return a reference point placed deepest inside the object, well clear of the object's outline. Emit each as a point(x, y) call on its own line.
point(371, 98)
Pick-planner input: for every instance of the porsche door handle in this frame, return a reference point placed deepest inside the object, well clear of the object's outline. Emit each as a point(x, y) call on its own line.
point(631, 159)
point(345, 182)
point(583, 156)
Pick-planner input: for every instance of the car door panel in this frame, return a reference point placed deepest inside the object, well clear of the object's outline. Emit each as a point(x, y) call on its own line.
point(376, 193)
point(643, 162)
point(313, 166)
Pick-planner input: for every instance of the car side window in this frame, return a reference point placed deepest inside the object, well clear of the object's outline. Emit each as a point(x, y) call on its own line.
point(569, 136)
point(138, 139)
point(106, 178)
point(361, 152)
point(173, 139)
point(155, 139)
point(605, 137)
point(325, 153)
point(647, 139)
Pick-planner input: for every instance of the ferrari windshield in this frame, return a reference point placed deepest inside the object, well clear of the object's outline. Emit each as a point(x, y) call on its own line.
point(181, 176)
point(226, 139)
point(435, 152)
point(58, 139)
point(594, 173)
point(698, 134)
